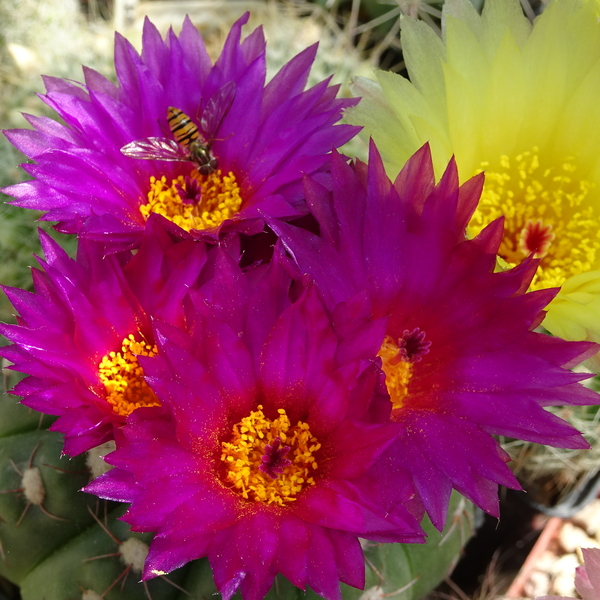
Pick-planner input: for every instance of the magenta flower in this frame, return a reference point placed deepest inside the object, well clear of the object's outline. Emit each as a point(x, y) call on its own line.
point(264, 467)
point(461, 359)
point(79, 334)
point(587, 577)
point(210, 147)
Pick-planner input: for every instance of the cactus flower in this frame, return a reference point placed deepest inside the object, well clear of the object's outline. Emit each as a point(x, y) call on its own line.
point(209, 146)
point(587, 577)
point(461, 360)
point(78, 335)
point(263, 467)
point(518, 101)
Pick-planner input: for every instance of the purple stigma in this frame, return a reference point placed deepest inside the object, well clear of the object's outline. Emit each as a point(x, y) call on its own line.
point(273, 460)
point(190, 192)
point(412, 345)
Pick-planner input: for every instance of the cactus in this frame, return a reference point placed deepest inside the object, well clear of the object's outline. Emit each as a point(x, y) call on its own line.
point(68, 545)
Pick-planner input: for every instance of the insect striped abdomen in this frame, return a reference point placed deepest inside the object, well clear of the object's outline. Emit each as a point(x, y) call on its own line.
point(183, 129)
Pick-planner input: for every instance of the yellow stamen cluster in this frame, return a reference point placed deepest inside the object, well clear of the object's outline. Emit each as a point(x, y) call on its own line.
point(122, 377)
point(397, 372)
point(220, 200)
point(243, 454)
point(533, 198)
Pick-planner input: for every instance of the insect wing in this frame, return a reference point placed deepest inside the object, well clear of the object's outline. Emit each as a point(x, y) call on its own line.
point(155, 148)
point(216, 110)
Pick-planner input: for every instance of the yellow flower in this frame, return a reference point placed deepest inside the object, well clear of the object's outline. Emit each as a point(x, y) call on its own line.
point(521, 102)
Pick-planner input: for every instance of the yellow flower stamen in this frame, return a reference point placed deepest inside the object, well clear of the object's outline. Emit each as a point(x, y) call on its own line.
point(122, 377)
point(547, 211)
point(243, 455)
point(397, 371)
point(218, 199)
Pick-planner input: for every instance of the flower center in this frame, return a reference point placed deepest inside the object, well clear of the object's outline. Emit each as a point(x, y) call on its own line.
point(547, 212)
point(195, 201)
point(270, 461)
point(398, 358)
point(122, 377)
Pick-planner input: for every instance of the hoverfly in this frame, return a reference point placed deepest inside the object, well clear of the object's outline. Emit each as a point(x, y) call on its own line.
point(190, 142)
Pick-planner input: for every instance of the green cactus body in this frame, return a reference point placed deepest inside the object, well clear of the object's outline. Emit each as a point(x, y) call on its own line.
point(59, 550)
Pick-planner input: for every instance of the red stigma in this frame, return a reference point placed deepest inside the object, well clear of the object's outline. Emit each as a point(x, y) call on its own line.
point(536, 237)
point(273, 460)
point(412, 345)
